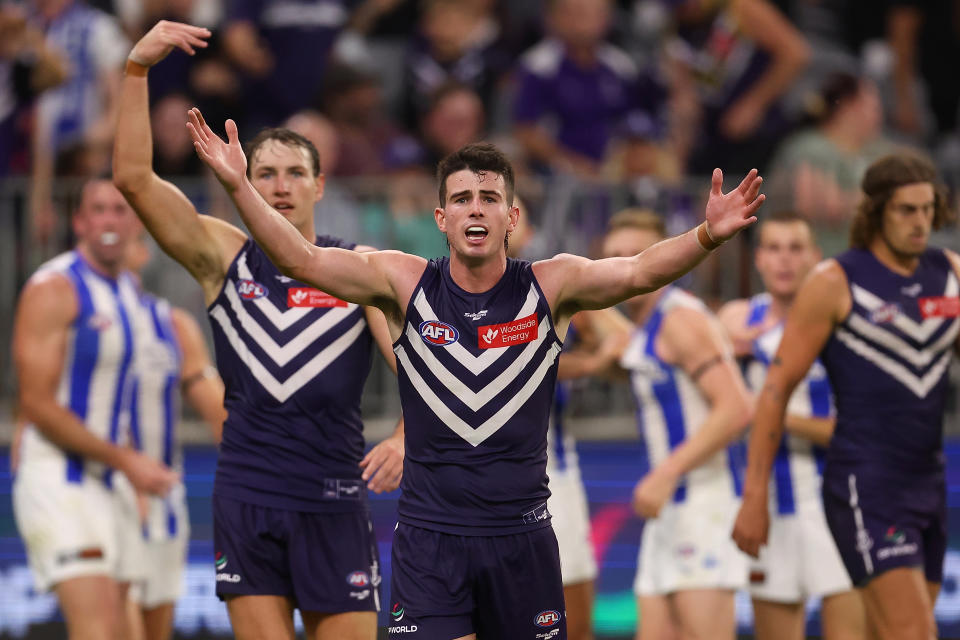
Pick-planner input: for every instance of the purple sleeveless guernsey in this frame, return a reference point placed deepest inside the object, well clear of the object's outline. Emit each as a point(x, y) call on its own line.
point(888, 363)
point(294, 361)
point(476, 374)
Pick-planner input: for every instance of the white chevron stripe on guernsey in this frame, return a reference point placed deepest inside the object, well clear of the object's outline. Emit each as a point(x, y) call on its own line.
point(283, 355)
point(492, 424)
point(283, 390)
point(281, 319)
point(919, 386)
point(919, 331)
point(476, 400)
point(474, 364)
point(916, 357)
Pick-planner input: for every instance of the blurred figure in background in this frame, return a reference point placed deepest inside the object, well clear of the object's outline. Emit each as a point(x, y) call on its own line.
point(171, 364)
point(801, 560)
point(693, 403)
point(459, 42)
point(454, 117)
point(75, 347)
point(573, 89)
point(78, 115)
point(817, 171)
point(733, 60)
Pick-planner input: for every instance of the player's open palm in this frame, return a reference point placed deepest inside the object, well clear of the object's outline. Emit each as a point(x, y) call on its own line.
point(163, 37)
point(728, 213)
point(227, 160)
point(751, 527)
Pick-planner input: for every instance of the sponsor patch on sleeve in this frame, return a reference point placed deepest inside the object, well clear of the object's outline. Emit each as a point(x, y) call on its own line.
point(518, 331)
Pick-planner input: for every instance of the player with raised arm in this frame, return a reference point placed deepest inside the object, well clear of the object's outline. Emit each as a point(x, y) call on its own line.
point(291, 518)
point(73, 347)
point(692, 404)
point(883, 318)
point(801, 560)
point(477, 337)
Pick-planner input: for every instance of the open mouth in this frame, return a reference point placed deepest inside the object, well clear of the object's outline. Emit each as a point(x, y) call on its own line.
point(109, 238)
point(283, 206)
point(476, 233)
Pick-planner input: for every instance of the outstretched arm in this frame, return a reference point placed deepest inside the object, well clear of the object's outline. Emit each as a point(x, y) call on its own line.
point(202, 244)
point(372, 278)
point(578, 283)
point(200, 383)
point(821, 302)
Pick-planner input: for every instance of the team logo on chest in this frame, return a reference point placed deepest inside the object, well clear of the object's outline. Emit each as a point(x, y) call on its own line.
point(251, 289)
point(518, 331)
point(438, 334)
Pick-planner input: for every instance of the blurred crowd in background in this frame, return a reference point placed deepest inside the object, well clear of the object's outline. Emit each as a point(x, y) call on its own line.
point(601, 104)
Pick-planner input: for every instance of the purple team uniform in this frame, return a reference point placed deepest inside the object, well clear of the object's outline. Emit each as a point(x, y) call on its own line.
point(290, 509)
point(883, 486)
point(474, 551)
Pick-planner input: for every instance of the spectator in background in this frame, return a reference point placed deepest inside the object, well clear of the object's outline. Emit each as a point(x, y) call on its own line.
point(27, 68)
point(454, 118)
point(737, 58)
point(80, 113)
point(925, 38)
point(573, 88)
point(174, 154)
point(458, 42)
point(353, 101)
point(817, 171)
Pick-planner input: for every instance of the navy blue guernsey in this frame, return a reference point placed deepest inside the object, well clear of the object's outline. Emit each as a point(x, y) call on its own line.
point(887, 363)
point(294, 361)
point(477, 374)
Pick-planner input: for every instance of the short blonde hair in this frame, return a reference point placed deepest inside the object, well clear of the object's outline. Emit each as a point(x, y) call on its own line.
point(637, 218)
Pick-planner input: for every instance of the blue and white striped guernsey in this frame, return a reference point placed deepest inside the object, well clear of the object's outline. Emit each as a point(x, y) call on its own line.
point(799, 463)
point(155, 408)
point(670, 407)
point(294, 361)
point(476, 374)
point(888, 363)
point(95, 380)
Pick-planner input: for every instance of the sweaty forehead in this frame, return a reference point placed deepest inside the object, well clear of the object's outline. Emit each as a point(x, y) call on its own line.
point(274, 153)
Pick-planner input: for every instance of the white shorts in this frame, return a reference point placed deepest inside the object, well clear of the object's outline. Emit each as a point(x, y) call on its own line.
point(70, 530)
point(148, 552)
point(800, 559)
point(688, 546)
point(571, 524)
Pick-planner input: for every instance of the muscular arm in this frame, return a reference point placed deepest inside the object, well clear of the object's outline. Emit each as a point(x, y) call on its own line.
point(202, 386)
point(384, 279)
point(202, 244)
point(573, 283)
point(820, 304)
point(45, 312)
point(696, 343)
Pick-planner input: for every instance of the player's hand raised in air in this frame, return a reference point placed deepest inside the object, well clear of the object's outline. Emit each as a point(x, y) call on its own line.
point(227, 160)
point(728, 213)
point(163, 37)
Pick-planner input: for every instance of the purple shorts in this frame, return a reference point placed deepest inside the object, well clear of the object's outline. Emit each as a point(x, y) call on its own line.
point(447, 586)
point(883, 524)
point(324, 562)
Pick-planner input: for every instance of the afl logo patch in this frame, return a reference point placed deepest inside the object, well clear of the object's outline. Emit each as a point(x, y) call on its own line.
point(358, 579)
point(547, 618)
point(438, 334)
point(251, 290)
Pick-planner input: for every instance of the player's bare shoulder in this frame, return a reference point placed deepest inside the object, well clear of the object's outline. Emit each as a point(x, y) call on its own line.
point(733, 314)
point(49, 295)
point(554, 272)
point(825, 291)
